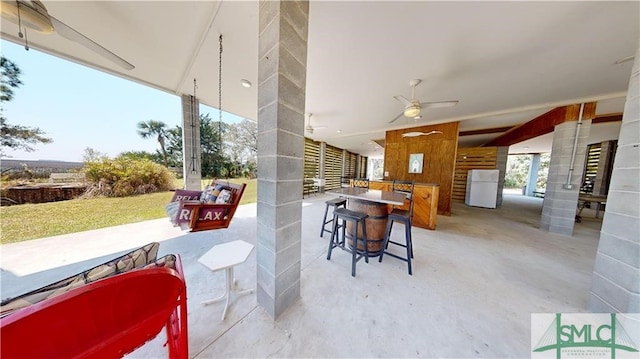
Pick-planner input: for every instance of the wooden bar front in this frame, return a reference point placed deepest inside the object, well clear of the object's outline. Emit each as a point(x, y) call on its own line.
point(425, 202)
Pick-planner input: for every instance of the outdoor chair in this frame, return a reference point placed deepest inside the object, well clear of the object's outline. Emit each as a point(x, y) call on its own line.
point(358, 219)
point(403, 215)
point(360, 183)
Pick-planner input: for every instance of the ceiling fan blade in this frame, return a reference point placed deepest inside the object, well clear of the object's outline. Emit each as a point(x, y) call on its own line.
point(438, 104)
point(397, 117)
point(403, 100)
point(73, 35)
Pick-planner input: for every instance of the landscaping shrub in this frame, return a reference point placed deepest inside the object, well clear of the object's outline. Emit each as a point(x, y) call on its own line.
point(123, 176)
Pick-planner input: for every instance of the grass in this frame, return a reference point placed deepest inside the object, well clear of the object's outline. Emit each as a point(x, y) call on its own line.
point(30, 221)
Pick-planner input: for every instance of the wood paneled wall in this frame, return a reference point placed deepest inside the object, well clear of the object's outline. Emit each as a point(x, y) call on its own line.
point(471, 158)
point(439, 158)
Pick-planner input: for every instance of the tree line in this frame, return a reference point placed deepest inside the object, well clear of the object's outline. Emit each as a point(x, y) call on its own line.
point(227, 150)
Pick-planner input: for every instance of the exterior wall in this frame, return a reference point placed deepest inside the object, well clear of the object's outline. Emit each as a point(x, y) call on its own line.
point(439, 158)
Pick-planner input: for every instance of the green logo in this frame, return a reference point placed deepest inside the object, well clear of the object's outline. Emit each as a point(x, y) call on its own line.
point(594, 337)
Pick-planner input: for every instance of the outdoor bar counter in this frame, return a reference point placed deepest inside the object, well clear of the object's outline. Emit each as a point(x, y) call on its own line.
point(425, 202)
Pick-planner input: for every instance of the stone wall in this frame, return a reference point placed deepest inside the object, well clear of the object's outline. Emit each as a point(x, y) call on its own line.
point(42, 193)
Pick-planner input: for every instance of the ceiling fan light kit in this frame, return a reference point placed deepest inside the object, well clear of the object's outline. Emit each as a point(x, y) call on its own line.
point(413, 107)
point(412, 111)
point(34, 15)
point(27, 16)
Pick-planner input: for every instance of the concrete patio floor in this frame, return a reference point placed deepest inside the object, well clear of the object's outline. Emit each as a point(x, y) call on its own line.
point(476, 280)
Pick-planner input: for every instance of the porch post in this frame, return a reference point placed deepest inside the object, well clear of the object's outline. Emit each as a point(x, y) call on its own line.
point(532, 178)
point(191, 159)
point(559, 205)
point(282, 51)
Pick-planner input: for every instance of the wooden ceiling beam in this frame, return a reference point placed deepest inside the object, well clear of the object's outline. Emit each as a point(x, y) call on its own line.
point(486, 131)
point(611, 117)
point(544, 124)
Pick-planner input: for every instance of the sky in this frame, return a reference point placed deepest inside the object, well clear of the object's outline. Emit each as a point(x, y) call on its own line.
point(79, 107)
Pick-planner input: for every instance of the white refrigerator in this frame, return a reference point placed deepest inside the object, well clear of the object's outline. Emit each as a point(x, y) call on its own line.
point(482, 188)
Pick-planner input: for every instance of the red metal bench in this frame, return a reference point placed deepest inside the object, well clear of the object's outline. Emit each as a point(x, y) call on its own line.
point(107, 318)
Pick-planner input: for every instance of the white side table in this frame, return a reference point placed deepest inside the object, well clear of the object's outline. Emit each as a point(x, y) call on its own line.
point(226, 256)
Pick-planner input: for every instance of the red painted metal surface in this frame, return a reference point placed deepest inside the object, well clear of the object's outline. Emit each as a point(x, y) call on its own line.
point(104, 319)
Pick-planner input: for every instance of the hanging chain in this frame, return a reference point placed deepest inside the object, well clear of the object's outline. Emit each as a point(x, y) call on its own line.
point(220, 110)
point(220, 81)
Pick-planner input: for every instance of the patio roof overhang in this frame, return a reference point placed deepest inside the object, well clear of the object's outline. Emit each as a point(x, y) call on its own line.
point(506, 62)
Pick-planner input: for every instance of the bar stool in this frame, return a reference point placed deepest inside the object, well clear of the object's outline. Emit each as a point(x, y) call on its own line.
point(405, 217)
point(357, 218)
point(334, 203)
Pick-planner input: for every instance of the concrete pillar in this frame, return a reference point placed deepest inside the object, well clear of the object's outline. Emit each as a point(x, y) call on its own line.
point(532, 178)
point(282, 51)
point(559, 205)
point(501, 164)
point(191, 151)
point(615, 285)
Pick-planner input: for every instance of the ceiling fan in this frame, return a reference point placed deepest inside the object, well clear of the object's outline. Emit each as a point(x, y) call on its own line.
point(308, 128)
point(34, 15)
point(413, 107)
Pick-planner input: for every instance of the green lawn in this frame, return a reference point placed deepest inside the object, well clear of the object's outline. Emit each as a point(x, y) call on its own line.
point(30, 221)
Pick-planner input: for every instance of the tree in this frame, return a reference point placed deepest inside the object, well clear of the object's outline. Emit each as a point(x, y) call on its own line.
point(214, 163)
point(91, 155)
point(242, 147)
point(141, 155)
point(174, 145)
point(10, 79)
point(155, 129)
point(15, 136)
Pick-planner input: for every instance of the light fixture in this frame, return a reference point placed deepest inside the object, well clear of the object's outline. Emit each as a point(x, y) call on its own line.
point(245, 83)
point(339, 131)
point(412, 111)
point(416, 134)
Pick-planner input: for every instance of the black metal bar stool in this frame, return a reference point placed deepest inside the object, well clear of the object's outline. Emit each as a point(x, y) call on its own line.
point(335, 204)
point(405, 217)
point(357, 218)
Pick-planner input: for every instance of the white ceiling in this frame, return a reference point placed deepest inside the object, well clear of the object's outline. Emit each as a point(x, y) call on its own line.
point(506, 62)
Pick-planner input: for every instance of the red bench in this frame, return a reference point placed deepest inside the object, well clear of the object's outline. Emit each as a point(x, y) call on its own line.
point(105, 318)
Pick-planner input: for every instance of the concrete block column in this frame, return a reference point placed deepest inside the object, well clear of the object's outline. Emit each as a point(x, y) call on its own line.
point(191, 151)
point(532, 178)
point(559, 206)
point(615, 284)
point(282, 51)
point(501, 165)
